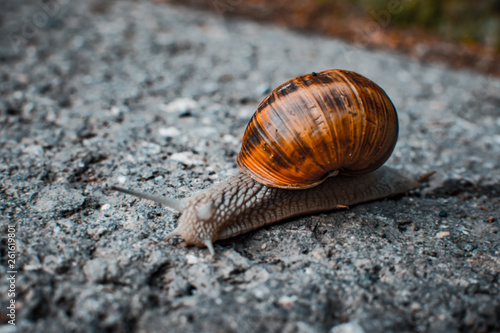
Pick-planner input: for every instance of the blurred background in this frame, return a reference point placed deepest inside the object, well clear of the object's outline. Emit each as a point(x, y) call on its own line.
point(460, 33)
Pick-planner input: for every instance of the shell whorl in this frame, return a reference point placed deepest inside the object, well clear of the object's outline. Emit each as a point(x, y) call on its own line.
point(318, 124)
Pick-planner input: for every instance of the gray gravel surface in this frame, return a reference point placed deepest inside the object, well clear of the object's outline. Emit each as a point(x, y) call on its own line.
point(156, 98)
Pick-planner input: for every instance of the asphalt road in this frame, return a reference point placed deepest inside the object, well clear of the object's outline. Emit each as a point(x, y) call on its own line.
point(156, 98)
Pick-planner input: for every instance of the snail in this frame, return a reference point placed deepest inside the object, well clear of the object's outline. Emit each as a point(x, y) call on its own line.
point(315, 143)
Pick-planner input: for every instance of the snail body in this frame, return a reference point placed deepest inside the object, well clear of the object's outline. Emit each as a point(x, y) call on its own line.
point(316, 143)
point(240, 204)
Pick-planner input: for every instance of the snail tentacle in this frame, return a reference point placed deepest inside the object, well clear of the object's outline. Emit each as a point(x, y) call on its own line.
point(208, 243)
point(171, 234)
point(176, 204)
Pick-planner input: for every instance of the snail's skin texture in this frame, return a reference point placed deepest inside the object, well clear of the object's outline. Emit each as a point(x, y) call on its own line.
point(240, 204)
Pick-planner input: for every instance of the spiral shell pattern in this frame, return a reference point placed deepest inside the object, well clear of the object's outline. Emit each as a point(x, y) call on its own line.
point(318, 125)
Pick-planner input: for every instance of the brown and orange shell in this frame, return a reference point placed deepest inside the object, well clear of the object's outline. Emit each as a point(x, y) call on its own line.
point(316, 124)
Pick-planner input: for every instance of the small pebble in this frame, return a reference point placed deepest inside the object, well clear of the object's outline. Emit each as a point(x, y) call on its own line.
point(121, 179)
point(150, 148)
point(351, 327)
point(442, 234)
point(287, 302)
point(263, 89)
point(192, 259)
point(443, 213)
point(115, 111)
point(468, 247)
point(169, 132)
point(180, 105)
point(34, 150)
point(187, 158)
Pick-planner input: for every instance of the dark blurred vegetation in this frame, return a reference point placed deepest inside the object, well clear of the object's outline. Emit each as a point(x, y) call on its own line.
point(461, 20)
point(460, 33)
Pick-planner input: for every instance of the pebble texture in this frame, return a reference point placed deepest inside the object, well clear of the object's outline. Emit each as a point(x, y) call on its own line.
point(156, 98)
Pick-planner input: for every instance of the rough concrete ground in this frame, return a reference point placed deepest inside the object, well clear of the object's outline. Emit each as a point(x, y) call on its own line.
point(156, 98)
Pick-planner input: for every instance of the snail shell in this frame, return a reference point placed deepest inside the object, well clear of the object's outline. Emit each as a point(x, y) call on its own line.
point(317, 125)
